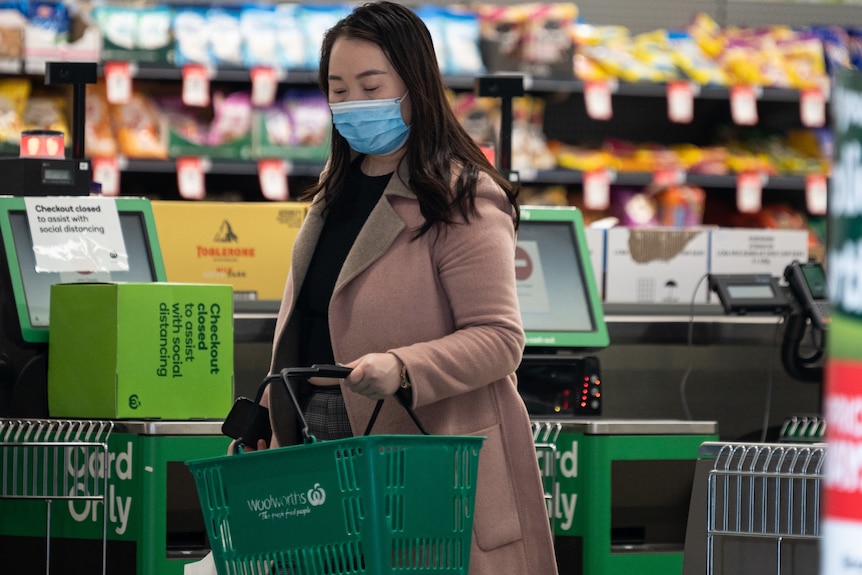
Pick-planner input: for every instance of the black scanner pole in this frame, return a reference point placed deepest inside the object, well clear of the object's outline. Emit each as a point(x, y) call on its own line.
point(505, 87)
point(79, 74)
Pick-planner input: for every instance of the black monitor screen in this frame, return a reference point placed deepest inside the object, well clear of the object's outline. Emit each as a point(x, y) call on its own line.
point(37, 285)
point(551, 287)
point(557, 290)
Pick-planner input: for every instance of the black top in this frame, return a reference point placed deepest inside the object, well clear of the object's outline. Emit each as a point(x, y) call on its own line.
point(343, 222)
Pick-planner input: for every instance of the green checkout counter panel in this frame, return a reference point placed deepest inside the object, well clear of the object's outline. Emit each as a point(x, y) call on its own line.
point(618, 491)
point(154, 523)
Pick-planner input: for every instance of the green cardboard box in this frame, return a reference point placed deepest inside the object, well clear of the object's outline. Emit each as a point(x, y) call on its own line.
point(140, 350)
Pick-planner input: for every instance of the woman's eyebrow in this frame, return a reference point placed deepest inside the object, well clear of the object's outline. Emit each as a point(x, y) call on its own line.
point(365, 74)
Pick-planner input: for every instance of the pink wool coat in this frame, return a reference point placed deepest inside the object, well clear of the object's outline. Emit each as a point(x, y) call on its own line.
point(446, 305)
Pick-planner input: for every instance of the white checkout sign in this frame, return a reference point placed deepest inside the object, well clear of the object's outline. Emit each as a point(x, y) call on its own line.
point(79, 237)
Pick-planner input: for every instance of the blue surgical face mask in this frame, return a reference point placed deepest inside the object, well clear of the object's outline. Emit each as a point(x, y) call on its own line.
point(371, 126)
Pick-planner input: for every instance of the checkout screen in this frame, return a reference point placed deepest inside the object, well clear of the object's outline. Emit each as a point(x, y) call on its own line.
point(37, 286)
point(551, 287)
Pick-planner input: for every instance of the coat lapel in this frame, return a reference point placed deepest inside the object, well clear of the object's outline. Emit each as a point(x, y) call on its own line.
point(380, 230)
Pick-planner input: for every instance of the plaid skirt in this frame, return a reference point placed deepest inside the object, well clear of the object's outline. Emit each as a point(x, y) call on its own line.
point(325, 413)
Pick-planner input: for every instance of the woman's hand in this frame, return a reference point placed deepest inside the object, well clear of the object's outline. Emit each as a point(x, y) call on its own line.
point(376, 375)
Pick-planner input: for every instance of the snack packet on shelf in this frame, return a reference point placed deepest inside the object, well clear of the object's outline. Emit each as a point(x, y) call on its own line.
point(461, 32)
point(697, 66)
point(501, 30)
point(707, 34)
point(47, 112)
point(654, 50)
point(547, 44)
point(291, 48)
point(191, 37)
point(580, 158)
point(805, 61)
point(138, 128)
point(13, 101)
point(226, 39)
point(99, 137)
point(310, 117)
point(259, 38)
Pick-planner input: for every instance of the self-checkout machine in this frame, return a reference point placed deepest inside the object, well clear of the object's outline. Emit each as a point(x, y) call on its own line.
point(756, 505)
point(617, 491)
point(85, 492)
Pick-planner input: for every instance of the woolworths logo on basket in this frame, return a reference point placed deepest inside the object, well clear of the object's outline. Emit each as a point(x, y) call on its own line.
point(293, 504)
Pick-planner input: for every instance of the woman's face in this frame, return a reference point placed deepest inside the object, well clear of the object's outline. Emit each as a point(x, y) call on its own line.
point(359, 70)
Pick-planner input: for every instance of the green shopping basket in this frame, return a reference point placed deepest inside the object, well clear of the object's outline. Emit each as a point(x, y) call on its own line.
point(375, 504)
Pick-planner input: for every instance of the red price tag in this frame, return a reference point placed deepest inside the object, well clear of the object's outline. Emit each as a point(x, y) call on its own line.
point(680, 102)
point(273, 180)
point(118, 82)
point(597, 190)
point(815, 194)
point(190, 178)
point(196, 86)
point(812, 108)
point(663, 178)
point(597, 98)
point(106, 172)
point(743, 105)
point(264, 84)
point(749, 192)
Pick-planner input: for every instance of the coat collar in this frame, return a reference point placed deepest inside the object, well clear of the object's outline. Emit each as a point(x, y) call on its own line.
point(380, 230)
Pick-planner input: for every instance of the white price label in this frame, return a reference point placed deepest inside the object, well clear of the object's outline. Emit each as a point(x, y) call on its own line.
point(273, 180)
point(118, 82)
point(106, 172)
point(196, 86)
point(816, 194)
point(743, 105)
point(749, 192)
point(597, 98)
point(597, 190)
point(812, 108)
point(190, 178)
point(680, 102)
point(264, 84)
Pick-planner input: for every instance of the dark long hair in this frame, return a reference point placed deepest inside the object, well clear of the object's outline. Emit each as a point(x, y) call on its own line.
point(436, 138)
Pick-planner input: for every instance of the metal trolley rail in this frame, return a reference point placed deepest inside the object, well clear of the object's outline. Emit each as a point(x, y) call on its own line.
point(53, 460)
point(545, 435)
point(763, 499)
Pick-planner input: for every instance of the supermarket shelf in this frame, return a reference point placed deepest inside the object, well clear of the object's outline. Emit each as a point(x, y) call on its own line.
point(562, 176)
point(220, 167)
point(144, 71)
point(655, 90)
point(545, 177)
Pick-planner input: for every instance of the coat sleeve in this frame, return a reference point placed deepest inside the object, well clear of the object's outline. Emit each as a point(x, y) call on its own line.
point(476, 270)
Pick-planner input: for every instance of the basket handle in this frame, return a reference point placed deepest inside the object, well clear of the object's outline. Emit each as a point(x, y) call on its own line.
point(401, 396)
point(337, 371)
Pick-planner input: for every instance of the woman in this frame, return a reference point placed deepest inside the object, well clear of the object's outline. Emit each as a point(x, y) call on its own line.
point(404, 271)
